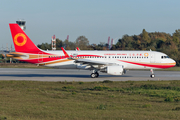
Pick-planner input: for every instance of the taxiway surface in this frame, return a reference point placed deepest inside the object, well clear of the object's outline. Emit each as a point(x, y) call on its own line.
point(81, 75)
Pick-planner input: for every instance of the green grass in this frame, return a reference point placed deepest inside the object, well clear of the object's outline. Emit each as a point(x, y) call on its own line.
point(27, 100)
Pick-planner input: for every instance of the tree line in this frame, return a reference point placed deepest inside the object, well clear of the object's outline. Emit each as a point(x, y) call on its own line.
point(155, 41)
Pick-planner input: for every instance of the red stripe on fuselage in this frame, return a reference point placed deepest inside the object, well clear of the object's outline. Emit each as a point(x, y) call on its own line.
point(160, 65)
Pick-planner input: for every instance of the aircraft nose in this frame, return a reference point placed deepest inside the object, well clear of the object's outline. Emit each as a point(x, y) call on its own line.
point(173, 61)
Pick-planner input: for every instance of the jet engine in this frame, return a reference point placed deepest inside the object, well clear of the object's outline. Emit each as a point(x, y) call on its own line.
point(114, 70)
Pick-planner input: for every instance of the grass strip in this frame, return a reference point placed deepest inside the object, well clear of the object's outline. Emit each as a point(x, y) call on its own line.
point(25, 100)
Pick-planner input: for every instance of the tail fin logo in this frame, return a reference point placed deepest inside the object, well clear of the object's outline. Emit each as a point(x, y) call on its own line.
point(20, 39)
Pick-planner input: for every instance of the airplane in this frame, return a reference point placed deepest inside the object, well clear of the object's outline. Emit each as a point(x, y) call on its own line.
point(110, 62)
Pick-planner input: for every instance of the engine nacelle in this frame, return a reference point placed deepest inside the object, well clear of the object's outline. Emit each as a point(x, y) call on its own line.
point(115, 70)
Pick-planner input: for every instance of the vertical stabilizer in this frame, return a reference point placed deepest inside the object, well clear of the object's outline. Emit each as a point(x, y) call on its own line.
point(22, 43)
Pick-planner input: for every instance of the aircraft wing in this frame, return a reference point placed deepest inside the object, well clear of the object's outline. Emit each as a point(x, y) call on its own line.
point(89, 62)
point(84, 61)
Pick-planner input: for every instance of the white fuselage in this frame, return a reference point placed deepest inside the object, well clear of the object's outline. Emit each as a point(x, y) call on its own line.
point(128, 59)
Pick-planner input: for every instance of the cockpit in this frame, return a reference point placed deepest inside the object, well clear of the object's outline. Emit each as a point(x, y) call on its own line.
point(164, 57)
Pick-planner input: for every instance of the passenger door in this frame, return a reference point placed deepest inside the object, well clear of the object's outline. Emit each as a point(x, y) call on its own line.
point(152, 57)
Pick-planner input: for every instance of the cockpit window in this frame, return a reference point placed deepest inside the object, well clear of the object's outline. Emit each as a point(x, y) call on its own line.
point(164, 57)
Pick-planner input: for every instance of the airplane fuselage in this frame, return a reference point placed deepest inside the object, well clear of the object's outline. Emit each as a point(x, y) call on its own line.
point(128, 59)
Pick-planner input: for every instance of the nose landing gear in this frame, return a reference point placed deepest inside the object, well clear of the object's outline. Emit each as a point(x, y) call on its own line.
point(152, 74)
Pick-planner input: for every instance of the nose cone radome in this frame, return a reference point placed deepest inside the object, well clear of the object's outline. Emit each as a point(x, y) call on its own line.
point(168, 63)
point(172, 62)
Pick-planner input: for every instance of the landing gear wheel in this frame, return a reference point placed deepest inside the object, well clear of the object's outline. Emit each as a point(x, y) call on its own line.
point(152, 75)
point(97, 74)
point(93, 75)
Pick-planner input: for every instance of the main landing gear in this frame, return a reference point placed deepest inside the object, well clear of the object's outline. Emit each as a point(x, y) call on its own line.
point(95, 74)
point(152, 74)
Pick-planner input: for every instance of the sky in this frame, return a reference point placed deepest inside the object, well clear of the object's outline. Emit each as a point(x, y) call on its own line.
point(94, 19)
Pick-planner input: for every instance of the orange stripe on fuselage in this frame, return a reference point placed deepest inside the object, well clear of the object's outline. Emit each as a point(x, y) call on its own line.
point(54, 62)
point(154, 65)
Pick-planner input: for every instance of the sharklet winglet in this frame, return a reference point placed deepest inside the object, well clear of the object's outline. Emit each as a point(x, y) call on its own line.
point(77, 49)
point(65, 53)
